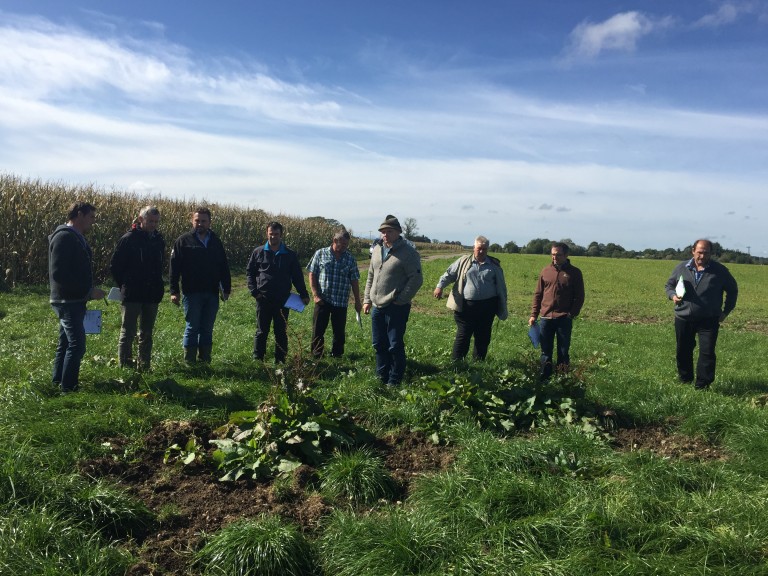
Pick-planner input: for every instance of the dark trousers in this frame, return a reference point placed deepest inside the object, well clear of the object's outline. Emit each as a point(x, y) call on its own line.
point(685, 334)
point(71, 347)
point(276, 316)
point(476, 319)
point(551, 328)
point(337, 315)
point(388, 335)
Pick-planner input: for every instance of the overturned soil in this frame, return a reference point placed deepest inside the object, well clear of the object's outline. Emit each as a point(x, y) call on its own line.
point(190, 502)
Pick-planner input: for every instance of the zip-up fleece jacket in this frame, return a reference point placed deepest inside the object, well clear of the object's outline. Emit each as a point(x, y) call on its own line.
point(201, 269)
point(394, 279)
point(270, 274)
point(69, 266)
point(137, 266)
point(558, 292)
point(704, 300)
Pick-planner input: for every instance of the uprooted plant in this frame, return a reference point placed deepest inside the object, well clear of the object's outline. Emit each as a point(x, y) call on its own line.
point(285, 432)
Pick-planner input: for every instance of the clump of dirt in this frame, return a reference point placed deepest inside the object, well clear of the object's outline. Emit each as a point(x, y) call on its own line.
point(191, 502)
point(658, 439)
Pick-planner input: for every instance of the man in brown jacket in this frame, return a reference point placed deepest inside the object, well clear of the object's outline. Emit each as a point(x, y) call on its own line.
point(557, 300)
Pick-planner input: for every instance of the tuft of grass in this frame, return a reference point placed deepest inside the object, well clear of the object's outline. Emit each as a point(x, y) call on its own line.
point(391, 542)
point(37, 541)
point(109, 509)
point(266, 546)
point(358, 476)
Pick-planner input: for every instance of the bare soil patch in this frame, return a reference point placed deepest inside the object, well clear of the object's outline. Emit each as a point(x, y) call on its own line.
point(190, 501)
point(659, 440)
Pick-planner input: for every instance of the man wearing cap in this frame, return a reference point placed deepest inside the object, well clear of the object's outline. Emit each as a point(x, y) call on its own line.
point(394, 277)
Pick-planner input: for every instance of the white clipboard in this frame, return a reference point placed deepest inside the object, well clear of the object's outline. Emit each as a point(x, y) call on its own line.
point(115, 295)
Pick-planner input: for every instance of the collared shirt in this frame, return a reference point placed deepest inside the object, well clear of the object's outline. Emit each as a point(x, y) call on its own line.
point(334, 276)
point(203, 241)
point(481, 280)
point(697, 274)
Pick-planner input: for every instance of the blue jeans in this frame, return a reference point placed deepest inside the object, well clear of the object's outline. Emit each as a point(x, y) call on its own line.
point(551, 327)
point(388, 331)
point(71, 347)
point(200, 310)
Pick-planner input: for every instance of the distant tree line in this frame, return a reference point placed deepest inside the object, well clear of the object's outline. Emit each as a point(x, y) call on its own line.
point(610, 250)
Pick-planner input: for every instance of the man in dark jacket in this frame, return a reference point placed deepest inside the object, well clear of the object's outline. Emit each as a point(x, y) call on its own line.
point(557, 300)
point(71, 280)
point(137, 267)
point(272, 269)
point(199, 260)
point(697, 287)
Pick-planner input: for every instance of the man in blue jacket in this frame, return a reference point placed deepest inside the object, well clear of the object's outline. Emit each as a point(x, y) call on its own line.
point(71, 280)
point(271, 271)
point(137, 267)
point(697, 287)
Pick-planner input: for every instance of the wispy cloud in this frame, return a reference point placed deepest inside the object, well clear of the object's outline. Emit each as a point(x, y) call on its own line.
point(621, 32)
point(726, 14)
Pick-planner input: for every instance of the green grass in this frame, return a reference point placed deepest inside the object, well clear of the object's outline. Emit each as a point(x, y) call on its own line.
point(266, 546)
point(555, 501)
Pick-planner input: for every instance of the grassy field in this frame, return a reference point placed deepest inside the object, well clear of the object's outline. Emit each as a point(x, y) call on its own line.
point(674, 482)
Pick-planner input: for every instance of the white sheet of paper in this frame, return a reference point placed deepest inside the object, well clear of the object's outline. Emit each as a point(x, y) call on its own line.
point(680, 288)
point(114, 294)
point(294, 302)
point(92, 322)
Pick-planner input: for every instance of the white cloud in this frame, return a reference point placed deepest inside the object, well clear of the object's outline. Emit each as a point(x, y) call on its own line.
point(155, 119)
point(618, 33)
point(726, 14)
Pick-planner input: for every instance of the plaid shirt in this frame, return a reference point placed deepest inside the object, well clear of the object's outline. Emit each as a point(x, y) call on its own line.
point(334, 276)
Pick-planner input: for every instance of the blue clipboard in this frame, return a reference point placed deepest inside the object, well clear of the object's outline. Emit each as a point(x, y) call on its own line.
point(534, 333)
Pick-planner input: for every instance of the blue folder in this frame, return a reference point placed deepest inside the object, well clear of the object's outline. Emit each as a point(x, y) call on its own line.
point(534, 333)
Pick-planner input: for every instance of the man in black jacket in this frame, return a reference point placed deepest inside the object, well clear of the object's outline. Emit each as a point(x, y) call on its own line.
point(137, 267)
point(71, 280)
point(272, 269)
point(199, 260)
point(696, 286)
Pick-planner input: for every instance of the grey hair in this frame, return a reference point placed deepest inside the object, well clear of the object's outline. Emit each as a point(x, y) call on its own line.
point(149, 211)
point(341, 233)
point(482, 240)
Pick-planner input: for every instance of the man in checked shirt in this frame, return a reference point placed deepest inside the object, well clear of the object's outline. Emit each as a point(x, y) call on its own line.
point(332, 272)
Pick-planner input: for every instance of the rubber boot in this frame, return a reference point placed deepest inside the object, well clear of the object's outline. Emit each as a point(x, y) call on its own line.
point(204, 354)
point(190, 355)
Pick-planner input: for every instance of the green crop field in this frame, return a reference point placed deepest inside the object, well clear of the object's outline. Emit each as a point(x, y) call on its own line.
point(615, 469)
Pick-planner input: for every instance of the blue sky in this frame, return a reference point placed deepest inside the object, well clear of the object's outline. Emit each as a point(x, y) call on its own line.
point(643, 123)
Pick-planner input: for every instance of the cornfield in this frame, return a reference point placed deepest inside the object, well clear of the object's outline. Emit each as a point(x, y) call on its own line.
point(31, 210)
